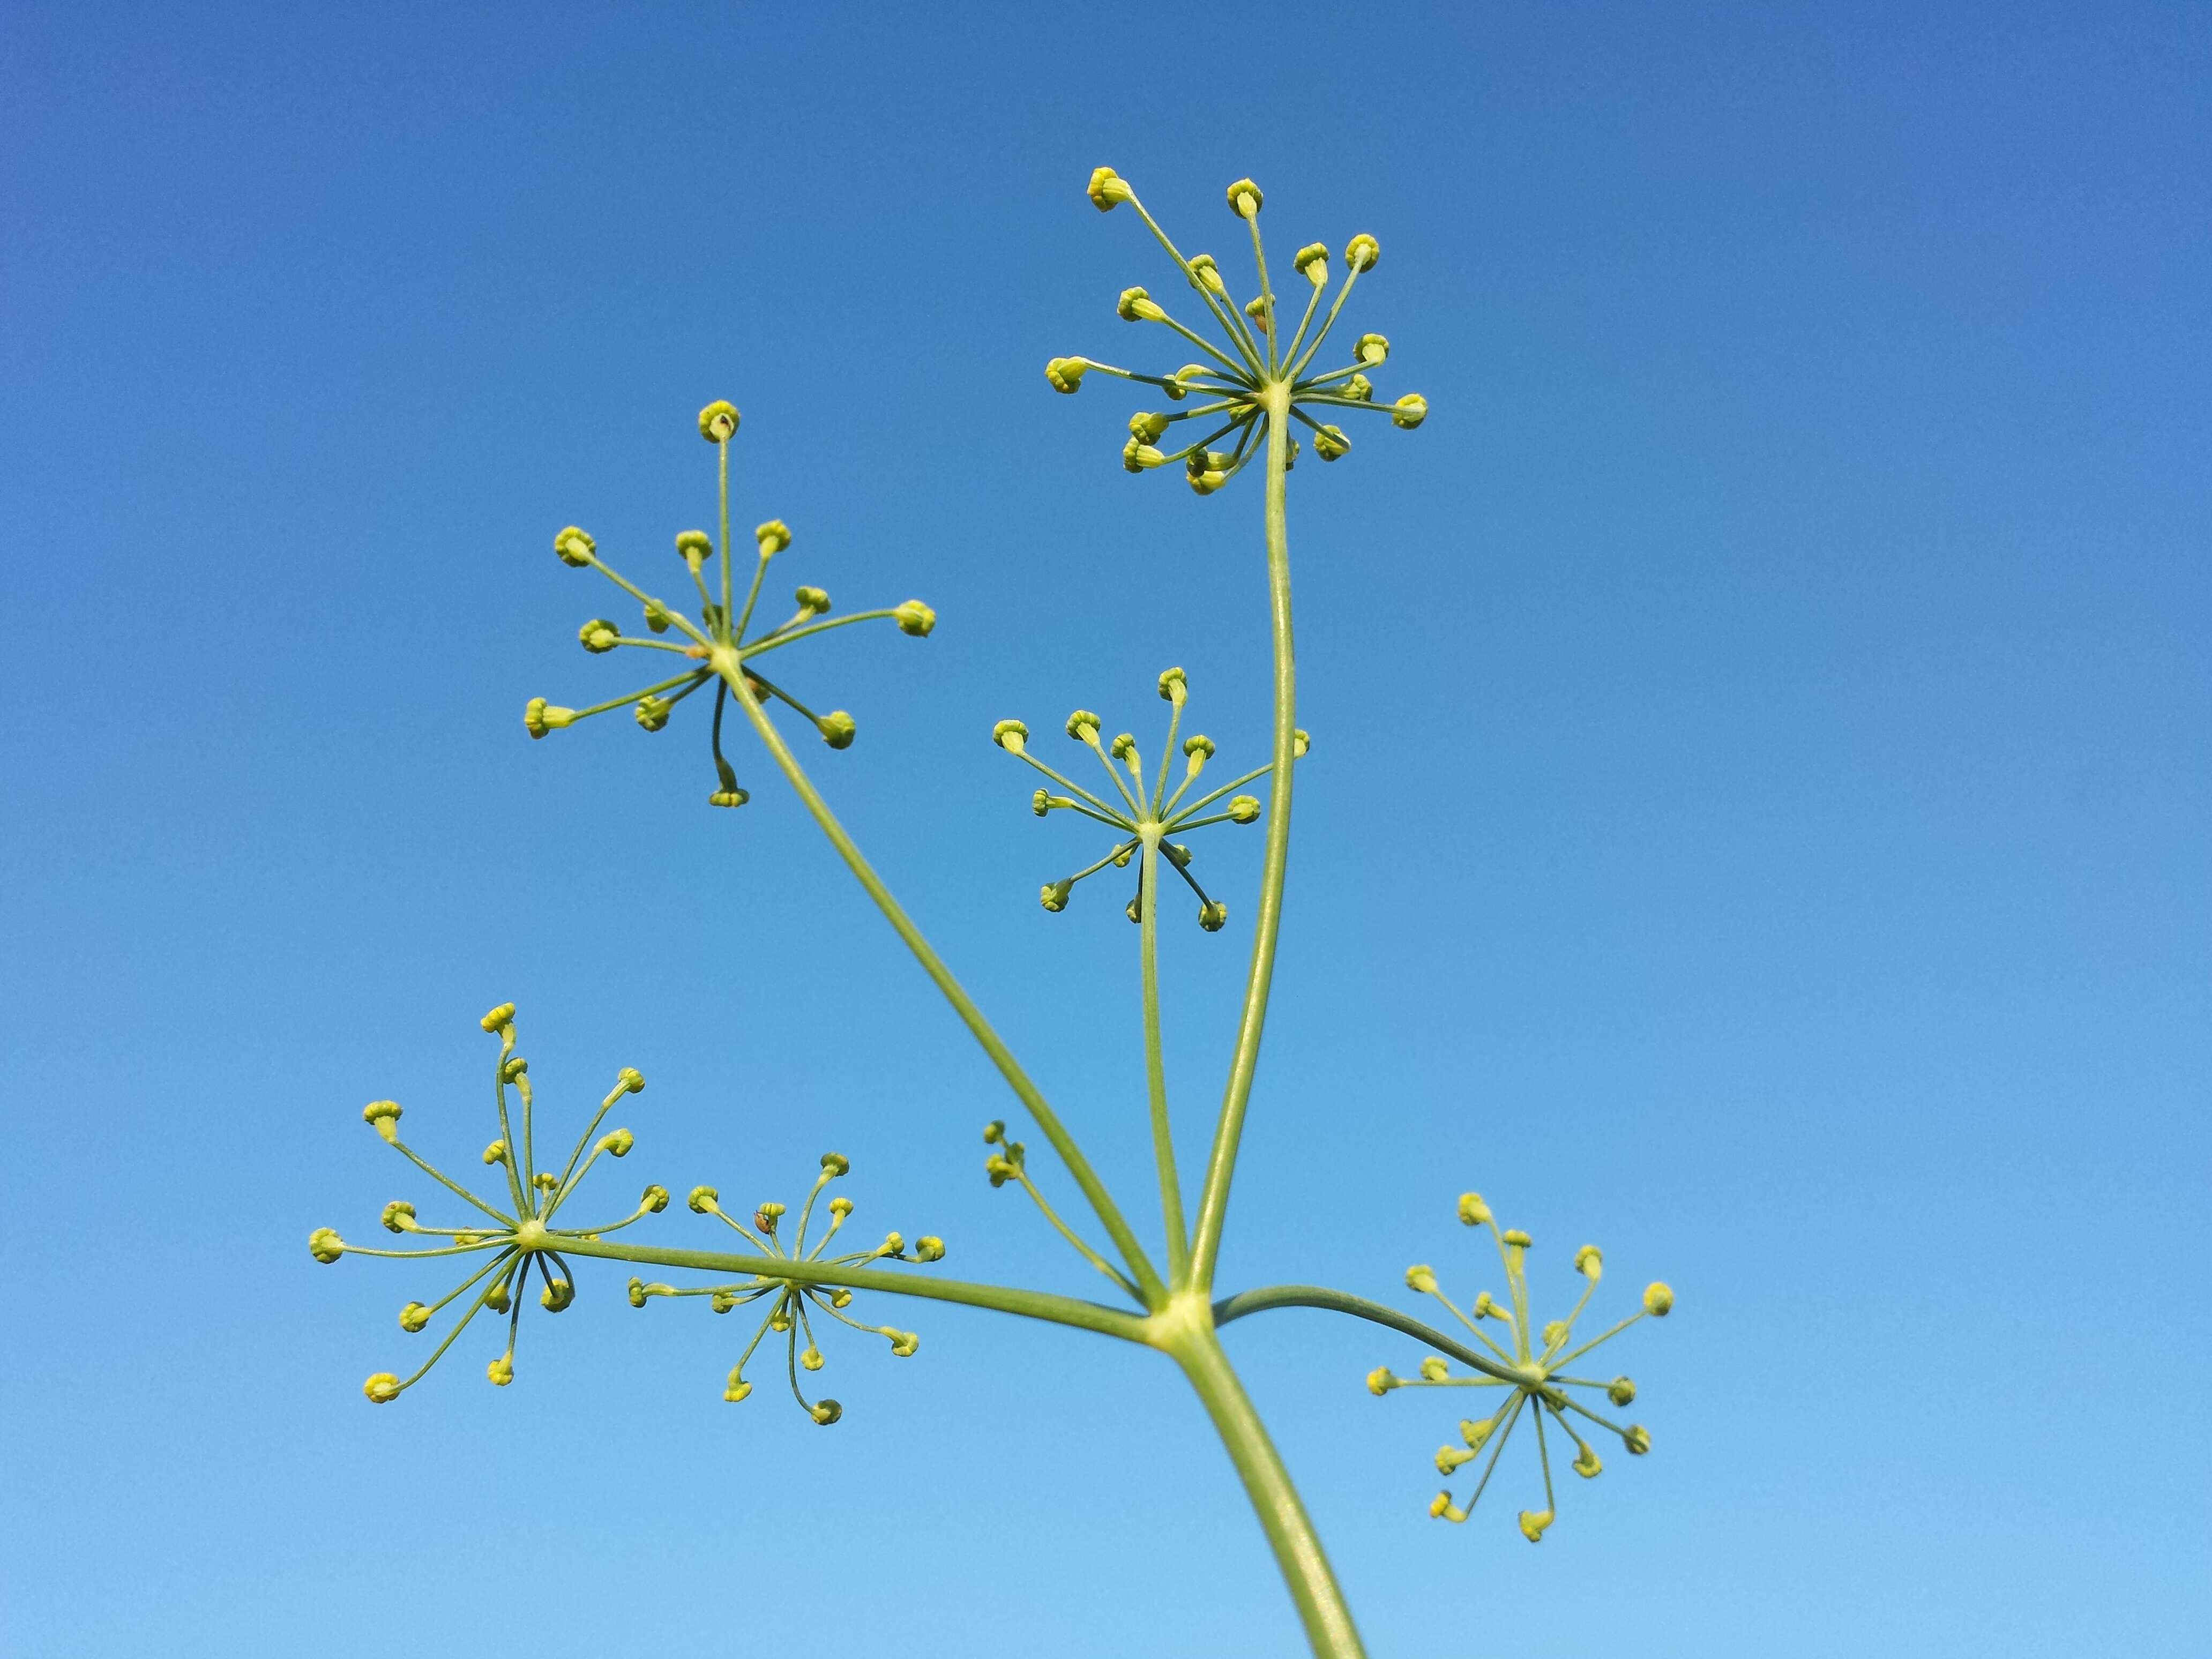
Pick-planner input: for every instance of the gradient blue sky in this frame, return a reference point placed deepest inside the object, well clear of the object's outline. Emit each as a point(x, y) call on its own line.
point(1759, 816)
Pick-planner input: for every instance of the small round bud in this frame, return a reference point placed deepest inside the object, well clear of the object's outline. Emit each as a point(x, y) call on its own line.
point(836, 728)
point(1244, 809)
point(722, 1301)
point(574, 547)
point(500, 1371)
point(413, 1317)
point(631, 1080)
point(1473, 1211)
point(1150, 428)
point(1082, 726)
point(495, 1153)
point(929, 1248)
point(383, 1116)
point(1555, 1333)
point(718, 422)
point(994, 1131)
point(656, 618)
point(1434, 1370)
point(825, 1412)
point(914, 618)
point(1244, 199)
point(1205, 274)
point(1331, 445)
point(1485, 1307)
point(736, 1389)
point(1421, 1278)
point(654, 1200)
point(1010, 736)
point(1658, 1300)
point(1040, 802)
point(1198, 747)
point(1213, 916)
point(637, 1293)
point(1587, 1465)
point(545, 1181)
point(1175, 686)
point(1066, 374)
point(1124, 745)
point(618, 1144)
point(1312, 263)
point(1638, 1440)
point(1516, 1238)
point(1207, 480)
point(325, 1245)
point(840, 1298)
point(841, 1207)
point(539, 717)
point(728, 797)
point(557, 1295)
point(497, 1299)
point(705, 1201)
point(1380, 1381)
point(503, 1015)
point(1533, 1522)
point(1362, 252)
point(1135, 305)
point(903, 1344)
point(811, 1358)
point(1371, 348)
point(893, 1243)
point(398, 1216)
point(1108, 190)
point(1590, 1262)
point(773, 536)
point(1360, 389)
point(598, 635)
point(768, 1215)
point(1141, 458)
point(694, 545)
point(1134, 909)
point(514, 1067)
point(1256, 309)
point(1409, 411)
point(1441, 1508)
point(1621, 1391)
point(836, 1163)
point(1301, 740)
point(1477, 1435)
point(1448, 1458)
point(652, 713)
point(382, 1389)
point(812, 599)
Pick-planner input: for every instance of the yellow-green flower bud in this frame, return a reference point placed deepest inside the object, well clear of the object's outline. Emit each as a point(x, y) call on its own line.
point(1135, 305)
point(1134, 909)
point(1477, 1435)
point(1204, 273)
point(539, 717)
point(503, 1015)
point(574, 547)
point(1148, 428)
point(1360, 388)
point(1533, 1522)
point(652, 713)
point(325, 1245)
point(1658, 1300)
point(497, 1299)
point(929, 1248)
point(398, 1216)
point(1331, 445)
point(1555, 1333)
point(1409, 411)
point(718, 422)
point(812, 599)
point(1244, 809)
point(631, 1080)
point(1198, 748)
point(383, 1116)
point(1256, 309)
point(1621, 1391)
point(1587, 1465)
point(1301, 740)
point(836, 1163)
point(825, 1412)
point(811, 1358)
point(514, 1067)
point(1421, 1278)
point(892, 1245)
point(1082, 726)
point(1638, 1440)
point(994, 1131)
point(656, 618)
point(654, 1200)
point(1371, 348)
point(1207, 482)
point(637, 1293)
point(557, 1295)
point(1441, 1508)
point(618, 1144)
point(1516, 1239)
point(500, 1371)
point(1124, 745)
point(1590, 1262)
point(1473, 1211)
point(1487, 1308)
point(840, 1298)
point(736, 1389)
point(545, 1181)
point(728, 797)
point(1434, 1370)
point(1109, 190)
point(1141, 458)
point(1362, 252)
point(1175, 686)
point(382, 1389)
point(598, 635)
point(836, 728)
point(1010, 736)
point(495, 1153)
point(694, 545)
point(841, 1207)
point(1448, 1458)
point(768, 1215)
point(1041, 802)
point(904, 1343)
point(413, 1317)
point(705, 1201)
point(1244, 199)
point(1380, 1381)
point(773, 536)
point(1066, 374)
point(1312, 263)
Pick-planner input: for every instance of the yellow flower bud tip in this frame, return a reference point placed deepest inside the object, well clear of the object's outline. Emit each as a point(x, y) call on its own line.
point(1473, 1211)
point(545, 1181)
point(1434, 1370)
point(1136, 305)
point(1244, 809)
point(1485, 1308)
point(496, 1297)
point(840, 1298)
point(841, 1207)
point(654, 1200)
point(722, 1301)
point(1125, 745)
point(718, 422)
point(1380, 1381)
point(994, 1131)
point(1476, 1435)
point(812, 599)
point(1197, 747)
point(1010, 736)
point(398, 1215)
point(1587, 1465)
point(1054, 895)
point(413, 1317)
point(1361, 388)
point(778, 1322)
point(557, 1295)
point(574, 547)
point(929, 1248)
point(1041, 802)
point(1420, 1278)
point(1533, 1522)
point(773, 536)
point(837, 729)
point(503, 1015)
point(1371, 348)
point(500, 1371)
point(1621, 1391)
point(694, 545)
point(383, 1116)
point(1555, 1333)
point(704, 1201)
point(1244, 199)
point(905, 1343)
point(1312, 263)
point(652, 713)
point(1331, 445)
point(1438, 1504)
point(811, 1358)
point(637, 1293)
point(736, 1389)
point(512, 1068)
point(893, 1243)
point(1148, 428)
point(656, 618)
point(1141, 458)
point(825, 1412)
point(539, 717)
point(1301, 740)
point(1590, 1262)
point(836, 1163)
point(1256, 309)
point(618, 1144)
point(1205, 274)
point(325, 1245)
point(494, 1152)
point(914, 619)
point(1108, 190)
point(1658, 1300)
point(1638, 1440)
point(1066, 374)
point(382, 1389)
point(598, 635)
point(766, 1217)
point(728, 797)
point(1514, 1238)
point(1409, 411)
point(1362, 252)
point(1134, 910)
point(1175, 685)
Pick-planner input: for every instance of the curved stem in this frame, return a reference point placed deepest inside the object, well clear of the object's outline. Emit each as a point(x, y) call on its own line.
point(1155, 1075)
point(1314, 1296)
point(1101, 1202)
point(1213, 1200)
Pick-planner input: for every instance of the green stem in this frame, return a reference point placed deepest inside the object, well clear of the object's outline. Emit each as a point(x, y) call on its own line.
point(1101, 1202)
point(1314, 1296)
point(1155, 1075)
point(1213, 1200)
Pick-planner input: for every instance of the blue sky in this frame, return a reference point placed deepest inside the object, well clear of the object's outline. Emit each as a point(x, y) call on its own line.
point(1758, 819)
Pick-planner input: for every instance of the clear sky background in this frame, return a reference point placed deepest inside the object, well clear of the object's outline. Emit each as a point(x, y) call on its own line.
point(1758, 819)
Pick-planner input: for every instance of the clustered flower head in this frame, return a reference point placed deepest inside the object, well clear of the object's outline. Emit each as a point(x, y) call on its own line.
point(793, 1302)
point(1252, 376)
point(719, 646)
point(516, 1241)
point(1146, 813)
point(1530, 1366)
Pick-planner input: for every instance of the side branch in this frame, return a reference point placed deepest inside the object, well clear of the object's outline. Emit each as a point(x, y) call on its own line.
point(1314, 1296)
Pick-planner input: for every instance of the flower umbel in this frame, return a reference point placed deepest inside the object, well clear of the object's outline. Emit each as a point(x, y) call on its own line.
point(1252, 376)
point(1529, 1366)
point(720, 645)
point(1140, 812)
point(793, 1302)
point(516, 1241)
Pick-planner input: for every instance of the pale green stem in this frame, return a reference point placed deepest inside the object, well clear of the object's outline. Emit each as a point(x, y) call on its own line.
point(1155, 1075)
point(1329, 1301)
